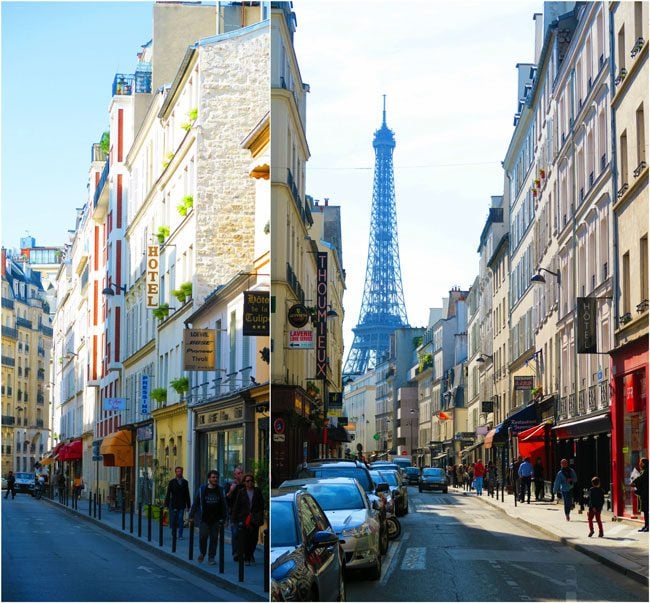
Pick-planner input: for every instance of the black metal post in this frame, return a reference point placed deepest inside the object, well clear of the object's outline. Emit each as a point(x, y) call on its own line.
point(221, 545)
point(149, 523)
point(240, 551)
point(123, 512)
point(90, 504)
point(99, 506)
point(140, 519)
point(191, 544)
point(267, 560)
point(131, 518)
point(173, 523)
point(160, 526)
point(95, 504)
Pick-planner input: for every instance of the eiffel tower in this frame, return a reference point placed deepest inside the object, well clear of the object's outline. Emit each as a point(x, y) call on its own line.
point(382, 307)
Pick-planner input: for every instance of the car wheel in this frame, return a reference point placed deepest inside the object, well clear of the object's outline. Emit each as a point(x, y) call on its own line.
point(375, 572)
point(407, 509)
point(444, 491)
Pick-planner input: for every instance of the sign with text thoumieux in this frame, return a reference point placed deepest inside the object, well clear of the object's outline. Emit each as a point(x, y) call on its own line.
point(152, 278)
point(199, 349)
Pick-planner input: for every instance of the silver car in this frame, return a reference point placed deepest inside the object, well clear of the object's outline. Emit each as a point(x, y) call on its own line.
point(352, 517)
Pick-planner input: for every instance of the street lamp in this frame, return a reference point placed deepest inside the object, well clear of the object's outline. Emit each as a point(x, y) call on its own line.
point(109, 291)
point(412, 411)
point(539, 277)
point(481, 358)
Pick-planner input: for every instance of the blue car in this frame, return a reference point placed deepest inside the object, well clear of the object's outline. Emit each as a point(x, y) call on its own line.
point(306, 558)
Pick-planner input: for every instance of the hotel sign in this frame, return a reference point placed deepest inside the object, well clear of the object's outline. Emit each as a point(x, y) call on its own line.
point(256, 313)
point(152, 276)
point(586, 327)
point(321, 316)
point(524, 383)
point(198, 349)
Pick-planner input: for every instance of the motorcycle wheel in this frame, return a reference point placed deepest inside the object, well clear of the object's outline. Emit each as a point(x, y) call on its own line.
point(393, 527)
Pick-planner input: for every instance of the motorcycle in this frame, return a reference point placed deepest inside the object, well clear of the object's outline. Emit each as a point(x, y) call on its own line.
point(38, 490)
point(393, 526)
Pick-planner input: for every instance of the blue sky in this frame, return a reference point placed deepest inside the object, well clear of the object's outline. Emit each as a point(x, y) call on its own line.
point(58, 64)
point(448, 70)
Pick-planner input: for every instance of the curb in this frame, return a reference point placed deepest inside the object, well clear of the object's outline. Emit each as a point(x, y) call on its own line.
point(630, 573)
point(235, 588)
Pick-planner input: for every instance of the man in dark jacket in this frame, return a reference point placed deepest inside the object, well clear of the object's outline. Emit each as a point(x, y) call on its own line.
point(210, 505)
point(641, 485)
point(11, 485)
point(177, 500)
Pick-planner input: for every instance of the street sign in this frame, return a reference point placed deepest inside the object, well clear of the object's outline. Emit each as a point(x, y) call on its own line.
point(404, 453)
point(301, 340)
point(375, 437)
point(98, 457)
point(279, 426)
point(279, 437)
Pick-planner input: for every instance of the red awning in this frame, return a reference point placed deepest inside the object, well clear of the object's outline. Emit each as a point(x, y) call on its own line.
point(487, 441)
point(71, 452)
point(537, 433)
point(532, 441)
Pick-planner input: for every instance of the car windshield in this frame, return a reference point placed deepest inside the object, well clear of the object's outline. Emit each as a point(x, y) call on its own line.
point(433, 472)
point(377, 477)
point(24, 476)
point(333, 497)
point(356, 472)
point(412, 470)
point(283, 524)
point(390, 478)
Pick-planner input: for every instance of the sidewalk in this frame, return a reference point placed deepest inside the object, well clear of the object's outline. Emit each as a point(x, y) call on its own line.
point(252, 588)
point(623, 548)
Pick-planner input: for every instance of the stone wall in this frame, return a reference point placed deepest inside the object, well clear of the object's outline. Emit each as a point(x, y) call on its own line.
point(234, 96)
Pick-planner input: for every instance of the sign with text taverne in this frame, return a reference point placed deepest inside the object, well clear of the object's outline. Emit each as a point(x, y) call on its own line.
point(199, 349)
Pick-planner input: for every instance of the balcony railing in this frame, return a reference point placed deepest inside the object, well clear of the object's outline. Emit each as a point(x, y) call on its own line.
point(8, 361)
point(294, 283)
point(40, 399)
point(8, 420)
point(637, 47)
point(593, 397)
point(23, 322)
point(47, 331)
point(39, 422)
point(10, 332)
point(622, 74)
point(604, 395)
point(582, 402)
point(100, 184)
point(639, 168)
point(563, 408)
point(303, 209)
point(621, 191)
point(573, 407)
point(8, 303)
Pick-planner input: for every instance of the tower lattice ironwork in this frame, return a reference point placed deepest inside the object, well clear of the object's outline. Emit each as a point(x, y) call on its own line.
point(382, 306)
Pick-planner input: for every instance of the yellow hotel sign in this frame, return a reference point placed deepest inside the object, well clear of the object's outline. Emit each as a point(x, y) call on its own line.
point(198, 349)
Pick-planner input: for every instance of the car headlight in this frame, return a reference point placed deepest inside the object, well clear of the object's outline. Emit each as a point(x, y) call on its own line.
point(358, 531)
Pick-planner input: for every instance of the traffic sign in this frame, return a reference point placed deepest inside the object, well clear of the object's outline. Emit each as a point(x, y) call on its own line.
point(279, 425)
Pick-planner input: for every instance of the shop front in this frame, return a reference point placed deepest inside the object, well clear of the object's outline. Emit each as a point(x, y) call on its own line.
point(144, 463)
point(117, 450)
point(70, 457)
point(629, 408)
point(225, 437)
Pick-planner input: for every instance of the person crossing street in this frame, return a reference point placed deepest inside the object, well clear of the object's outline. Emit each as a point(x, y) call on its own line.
point(525, 475)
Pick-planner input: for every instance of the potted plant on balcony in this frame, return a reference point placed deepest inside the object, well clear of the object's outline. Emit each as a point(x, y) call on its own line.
point(105, 143)
point(161, 311)
point(312, 389)
point(181, 385)
point(186, 205)
point(159, 395)
point(537, 391)
point(542, 173)
point(192, 114)
point(162, 234)
point(183, 293)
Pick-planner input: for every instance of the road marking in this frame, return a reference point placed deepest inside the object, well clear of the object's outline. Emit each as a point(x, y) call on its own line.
point(560, 556)
point(146, 569)
point(392, 553)
point(571, 583)
point(414, 558)
point(538, 574)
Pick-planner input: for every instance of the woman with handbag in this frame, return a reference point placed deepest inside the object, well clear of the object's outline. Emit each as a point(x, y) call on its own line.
point(248, 512)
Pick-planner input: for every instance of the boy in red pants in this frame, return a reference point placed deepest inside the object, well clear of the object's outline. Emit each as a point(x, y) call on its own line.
point(596, 502)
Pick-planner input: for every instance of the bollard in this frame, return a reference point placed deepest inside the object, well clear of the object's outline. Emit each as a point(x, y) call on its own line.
point(160, 526)
point(149, 522)
point(99, 506)
point(221, 545)
point(90, 503)
point(191, 543)
point(95, 504)
point(140, 520)
point(240, 551)
point(173, 523)
point(267, 560)
point(123, 513)
point(131, 518)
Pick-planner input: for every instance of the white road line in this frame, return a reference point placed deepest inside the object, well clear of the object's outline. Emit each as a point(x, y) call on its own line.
point(571, 583)
point(538, 574)
point(388, 561)
point(414, 558)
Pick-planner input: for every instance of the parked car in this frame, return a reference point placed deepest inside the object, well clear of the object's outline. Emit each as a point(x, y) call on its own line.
point(412, 475)
point(354, 518)
point(5, 485)
point(402, 461)
point(386, 466)
point(433, 478)
point(25, 482)
point(306, 555)
point(348, 468)
point(398, 490)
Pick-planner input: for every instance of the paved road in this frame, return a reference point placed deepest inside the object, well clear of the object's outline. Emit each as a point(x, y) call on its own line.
point(455, 548)
point(48, 555)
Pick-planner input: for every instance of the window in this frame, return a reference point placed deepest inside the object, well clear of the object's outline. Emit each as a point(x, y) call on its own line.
point(623, 167)
point(625, 283)
point(640, 134)
point(621, 50)
point(643, 249)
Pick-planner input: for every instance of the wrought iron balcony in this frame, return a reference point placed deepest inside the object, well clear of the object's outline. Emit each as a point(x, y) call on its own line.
point(8, 420)
point(637, 47)
point(639, 168)
point(573, 407)
point(10, 332)
point(604, 395)
point(621, 191)
point(47, 331)
point(593, 397)
point(562, 411)
point(642, 307)
point(8, 361)
point(8, 303)
point(582, 402)
point(622, 74)
point(23, 322)
point(100, 184)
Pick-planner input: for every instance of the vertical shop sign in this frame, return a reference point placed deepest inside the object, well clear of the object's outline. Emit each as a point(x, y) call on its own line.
point(586, 327)
point(321, 316)
point(152, 280)
point(144, 395)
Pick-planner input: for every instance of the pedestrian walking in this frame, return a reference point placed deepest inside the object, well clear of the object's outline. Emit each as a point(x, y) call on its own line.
point(248, 512)
point(78, 486)
point(641, 485)
point(565, 480)
point(479, 473)
point(525, 474)
point(460, 475)
point(514, 476)
point(11, 485)
point(538, 479)
point(470, 477)
point(177, 500)
point(596, 502)
point(491, 478)
point(232, 491)
point(210, 508)
point(61, 485)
